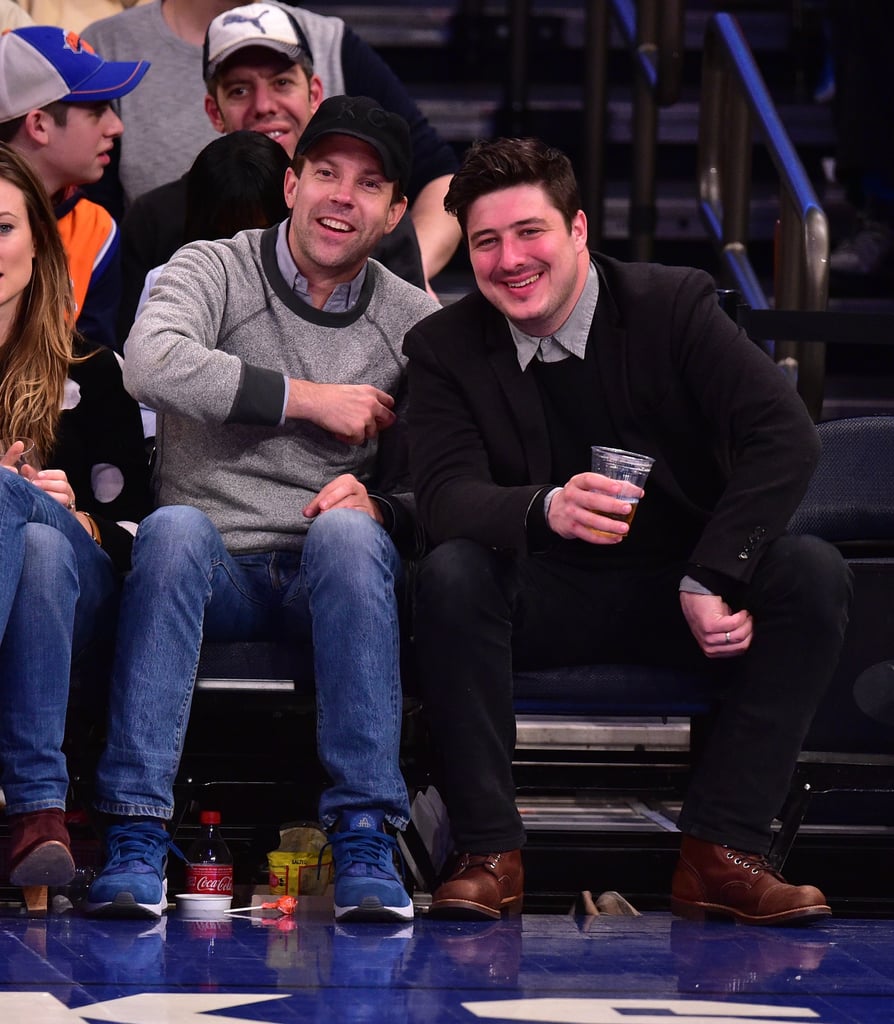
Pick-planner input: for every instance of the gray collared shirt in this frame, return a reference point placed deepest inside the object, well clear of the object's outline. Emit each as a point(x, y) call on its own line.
point(343, 297)
point(570, 339)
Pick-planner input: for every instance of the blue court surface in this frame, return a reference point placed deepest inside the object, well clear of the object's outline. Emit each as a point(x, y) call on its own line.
point(651, 969)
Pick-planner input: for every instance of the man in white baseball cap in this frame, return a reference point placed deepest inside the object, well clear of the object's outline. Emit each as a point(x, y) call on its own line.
point(252, 25)
point(260, 74)
point(55, 109)
point(173, 127)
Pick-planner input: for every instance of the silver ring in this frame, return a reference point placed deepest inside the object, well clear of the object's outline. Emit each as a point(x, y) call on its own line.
point(727, 637)
point(71, 506)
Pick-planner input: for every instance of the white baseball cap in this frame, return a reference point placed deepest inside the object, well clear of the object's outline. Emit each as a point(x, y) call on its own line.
point(252, 25)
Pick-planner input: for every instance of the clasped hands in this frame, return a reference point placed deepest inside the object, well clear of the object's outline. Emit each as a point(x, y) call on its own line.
point(52, 482)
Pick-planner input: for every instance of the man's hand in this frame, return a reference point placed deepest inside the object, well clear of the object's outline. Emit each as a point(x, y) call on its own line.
point(719, 632)
point(582, 507)
point(353, 413)
point(344, 491)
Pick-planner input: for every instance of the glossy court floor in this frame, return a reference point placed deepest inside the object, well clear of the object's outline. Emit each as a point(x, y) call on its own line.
point(262, 967)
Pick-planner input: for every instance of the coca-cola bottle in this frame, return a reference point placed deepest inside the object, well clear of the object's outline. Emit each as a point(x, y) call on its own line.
point(209, 863)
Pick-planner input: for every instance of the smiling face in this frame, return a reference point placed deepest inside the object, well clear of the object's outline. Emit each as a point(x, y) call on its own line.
point(260, 90)
point(342, 204)
point(16, 254)
point(526, 260)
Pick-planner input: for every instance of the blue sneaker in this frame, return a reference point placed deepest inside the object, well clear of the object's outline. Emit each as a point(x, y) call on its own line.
point(367, 885)
point(132, 883)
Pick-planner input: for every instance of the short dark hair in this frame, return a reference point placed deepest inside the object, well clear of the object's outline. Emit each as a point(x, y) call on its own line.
point(57, 110)
point(304, 62)
point(235, 182)
point(489, 166)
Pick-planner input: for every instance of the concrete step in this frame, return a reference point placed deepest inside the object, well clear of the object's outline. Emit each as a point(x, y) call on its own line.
point(585, 733)
point(389, 25)
point(469, 111)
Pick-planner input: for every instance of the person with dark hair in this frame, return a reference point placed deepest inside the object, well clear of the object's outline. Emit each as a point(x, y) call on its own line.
point(535, 564)
point(172, 126)
point(274, 361)
point(73, 485)
point(235, 183)
point(258, 79)
point(55, 109)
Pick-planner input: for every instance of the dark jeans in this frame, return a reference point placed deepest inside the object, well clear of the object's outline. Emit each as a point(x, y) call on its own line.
point(479, 613)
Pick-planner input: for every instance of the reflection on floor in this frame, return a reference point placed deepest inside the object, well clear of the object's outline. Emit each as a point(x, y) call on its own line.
point(586, 970)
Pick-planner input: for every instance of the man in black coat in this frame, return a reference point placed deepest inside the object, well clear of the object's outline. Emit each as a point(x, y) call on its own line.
point(561, 349)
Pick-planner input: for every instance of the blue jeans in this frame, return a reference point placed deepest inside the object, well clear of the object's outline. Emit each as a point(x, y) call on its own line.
point(337, 593)
point(58, 593)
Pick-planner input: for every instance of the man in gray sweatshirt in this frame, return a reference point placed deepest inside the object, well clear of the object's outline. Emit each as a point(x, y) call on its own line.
point(274, 360)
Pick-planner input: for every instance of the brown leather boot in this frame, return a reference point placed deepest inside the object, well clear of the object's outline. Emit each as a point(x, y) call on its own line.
point(483, 885)
point(711, 879)
point(39, 849)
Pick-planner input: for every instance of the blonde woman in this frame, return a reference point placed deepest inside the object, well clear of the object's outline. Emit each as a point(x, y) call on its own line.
point(73, 484)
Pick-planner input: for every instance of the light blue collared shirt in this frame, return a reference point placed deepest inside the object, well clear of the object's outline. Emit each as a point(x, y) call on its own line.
point(570, 339)
point(344, 295)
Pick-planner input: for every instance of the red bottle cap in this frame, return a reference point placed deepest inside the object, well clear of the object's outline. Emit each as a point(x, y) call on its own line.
point(209, 817)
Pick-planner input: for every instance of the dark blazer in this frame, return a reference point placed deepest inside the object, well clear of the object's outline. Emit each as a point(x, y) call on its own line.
point(732, 440)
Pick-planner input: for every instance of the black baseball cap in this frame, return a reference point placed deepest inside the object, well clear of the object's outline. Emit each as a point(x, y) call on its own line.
point(363, 118)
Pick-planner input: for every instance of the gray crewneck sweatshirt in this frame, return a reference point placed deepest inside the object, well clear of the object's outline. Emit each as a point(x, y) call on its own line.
point(209, 352)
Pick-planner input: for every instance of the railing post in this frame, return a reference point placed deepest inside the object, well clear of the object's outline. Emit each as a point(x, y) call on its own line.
point(517, 100)
point(733, 95)
point(737, 160)
point(669, 80)
point(652, 34)
point(643, 216)
point(595, 107)
point(796, 289)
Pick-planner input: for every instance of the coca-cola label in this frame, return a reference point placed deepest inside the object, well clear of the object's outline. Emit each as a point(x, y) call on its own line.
point(210, 879)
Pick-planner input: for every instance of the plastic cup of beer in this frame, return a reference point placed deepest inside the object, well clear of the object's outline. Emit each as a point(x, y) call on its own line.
point(629, 467)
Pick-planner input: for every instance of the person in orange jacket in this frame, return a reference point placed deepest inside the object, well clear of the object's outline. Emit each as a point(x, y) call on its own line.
point(55, 110)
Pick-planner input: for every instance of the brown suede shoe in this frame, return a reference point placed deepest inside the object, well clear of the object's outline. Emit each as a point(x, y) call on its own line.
point(483, 885)
point(711, 879)
point(40, 849)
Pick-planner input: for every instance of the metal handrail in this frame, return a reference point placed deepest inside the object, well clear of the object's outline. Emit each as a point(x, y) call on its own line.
point(652, 32)
point(735, 102)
